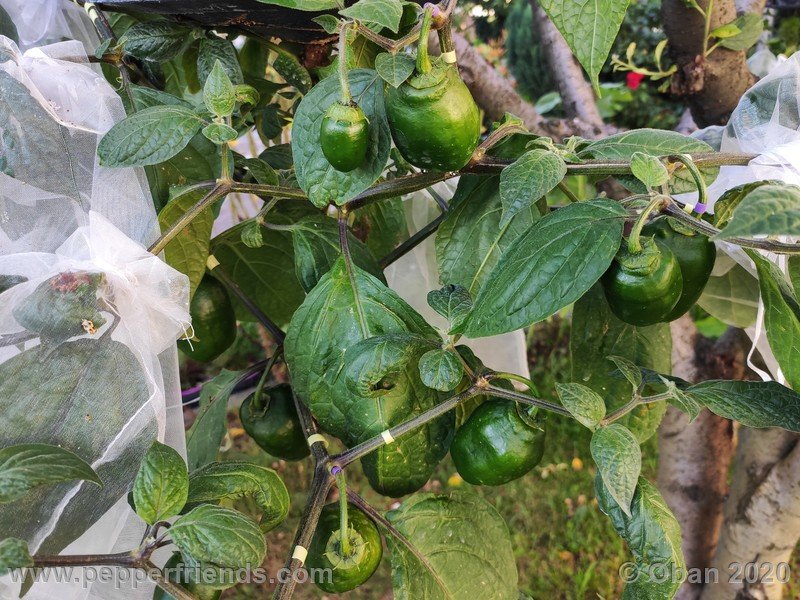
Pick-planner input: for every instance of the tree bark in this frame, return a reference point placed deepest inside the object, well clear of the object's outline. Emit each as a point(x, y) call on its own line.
point(576, 93)
point(693, 462)
point(714, 84)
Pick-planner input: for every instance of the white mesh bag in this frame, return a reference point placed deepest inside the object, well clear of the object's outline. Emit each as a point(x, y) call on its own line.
point(88, 318)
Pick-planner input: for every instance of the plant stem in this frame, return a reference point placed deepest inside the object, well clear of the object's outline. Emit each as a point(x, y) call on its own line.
point(344, 543)
point(225, 162)
point(423, 61)
point(525, 399)
point(356, 452)
point(634, 243)
point(567, 192)
point(320, 485)
point(686, 161)
point(634, 402)
point(220, 190)
point(265, 376)
point(347, 97)
point(412, 242)
point(276, 332)
point(514, 377)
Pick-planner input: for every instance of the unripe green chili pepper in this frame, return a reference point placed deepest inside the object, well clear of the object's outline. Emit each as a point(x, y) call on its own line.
point(496, 444)
point(344, 131)
point(695, 254)
point(642, 288)
point(344, 136)
point(213, 321)
point(272, 421)
point(435, 123)
point(364, 554)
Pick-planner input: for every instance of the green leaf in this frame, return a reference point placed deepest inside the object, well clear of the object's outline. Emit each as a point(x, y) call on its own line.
point(653, 536)
point(384, 13)
point(730, 199)
point(316, 176)
point(385, 225)
point(628, 369)
point(206, 433)
point(35, 146)
point(470, 240)
point(464, 549)
point(219, 95)
point(60, 386)
point(148, 137)
point(597, 334)
point(589, 27)
point(328, 22)
point(781, 317)
point(582, 402)
point(528, 179)
point(161, 485)
point(315, 240)
point(330, 339)
point(214, 537)
point(289, 67)
point(619, 462)
point(767, 210)
point(395, 68)
point(749, 26)
point(752, 403)
point(649, 170)
point(188, 251)
point(547, 268)
point(656, 142)
point(440, 369)
point(219, 133)
point(231, 480)
point(7, 27)
point(156, 41)
point(309, 5)
point(216, 49)
point(732, 298)
point(682, 400)
point(14, 554)
point(793, 267)
point(453, 302)
point(26, 466)
point(266, 273)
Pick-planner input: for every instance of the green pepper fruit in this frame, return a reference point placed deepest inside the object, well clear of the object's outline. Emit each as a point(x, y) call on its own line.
point(366, 549)
point(213, 321)
point(344, 136)
point(174, 572)
point(434, 121)
point(273, 423)
point(695, 253)
point(497, 444)
point(643, 288)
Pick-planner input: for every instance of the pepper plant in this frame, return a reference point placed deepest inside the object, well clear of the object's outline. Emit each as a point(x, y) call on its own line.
point(382, 120)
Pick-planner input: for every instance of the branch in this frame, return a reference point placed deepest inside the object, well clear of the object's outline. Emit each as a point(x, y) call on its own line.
point(576, 93)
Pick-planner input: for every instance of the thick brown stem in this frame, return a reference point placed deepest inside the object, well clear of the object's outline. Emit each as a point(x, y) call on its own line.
point(576, 93)
point(694, 459)
point(712, 84)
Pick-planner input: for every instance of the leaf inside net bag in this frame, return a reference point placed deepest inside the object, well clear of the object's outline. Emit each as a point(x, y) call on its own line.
point(766, 122)
point(88, 317)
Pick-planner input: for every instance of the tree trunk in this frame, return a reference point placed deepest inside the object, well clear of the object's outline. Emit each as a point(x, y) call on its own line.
point(693, 462)
point(576, 93)
point(714, 84)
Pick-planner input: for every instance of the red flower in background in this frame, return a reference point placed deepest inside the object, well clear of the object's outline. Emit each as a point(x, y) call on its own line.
point(633, 80)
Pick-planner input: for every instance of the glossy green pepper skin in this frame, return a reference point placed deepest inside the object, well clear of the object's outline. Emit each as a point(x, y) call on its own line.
point(643, 288)
point(213, 321)
point(274, 425)
point(348, 572)
point(695, 253)
point(435, 123)
point(344, 136)
point(496, 445)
